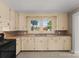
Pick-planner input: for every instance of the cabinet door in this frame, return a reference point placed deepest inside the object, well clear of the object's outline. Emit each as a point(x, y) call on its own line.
point(6, 25)
point(17, 21)
point(24, 43)
point(67, 43)
point(4, 15)
point(4, 10)
point(60, 43)
point(62, 23)
point(40, 43)
point(9, 21)
point(12, 20)
point(18, 45)
point(0, 24)
point(52, 43)
point(22, 22)
point(28, 43)
point(54, 23)
point(55, 43)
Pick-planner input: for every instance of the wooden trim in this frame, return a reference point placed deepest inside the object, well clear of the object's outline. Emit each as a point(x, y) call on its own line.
point(45, 51)
point(18, 53)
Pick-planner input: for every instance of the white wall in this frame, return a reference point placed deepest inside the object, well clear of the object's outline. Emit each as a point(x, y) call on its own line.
point(75, 32)
point(70, 18)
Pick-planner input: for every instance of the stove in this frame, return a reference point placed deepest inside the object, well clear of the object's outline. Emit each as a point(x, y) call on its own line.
point(7, 47)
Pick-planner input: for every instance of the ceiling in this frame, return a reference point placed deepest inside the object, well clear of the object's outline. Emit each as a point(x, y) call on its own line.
point(42, 5)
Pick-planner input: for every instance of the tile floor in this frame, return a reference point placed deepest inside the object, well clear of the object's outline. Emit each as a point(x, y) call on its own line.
point(47, 55)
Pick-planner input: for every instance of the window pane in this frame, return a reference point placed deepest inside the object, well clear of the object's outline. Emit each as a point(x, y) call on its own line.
point(42, 23)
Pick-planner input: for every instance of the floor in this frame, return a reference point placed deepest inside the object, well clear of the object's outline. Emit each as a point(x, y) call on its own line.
point(47, 55)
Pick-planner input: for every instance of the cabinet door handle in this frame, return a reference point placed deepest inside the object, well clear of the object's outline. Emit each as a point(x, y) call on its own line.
point(8, 23)
point(0, 16)
point(56, 40)
point(64, 41)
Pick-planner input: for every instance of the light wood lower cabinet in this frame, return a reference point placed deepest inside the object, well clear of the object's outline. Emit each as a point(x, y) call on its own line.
point(67, 43)
point(18, 45)
point(51, 43)
point(59, 43)
point(55, 43)
point(27, 43)
point(40, 43)
point(46, 43)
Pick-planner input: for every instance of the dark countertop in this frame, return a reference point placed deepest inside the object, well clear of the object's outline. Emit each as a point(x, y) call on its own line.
point(46, 34)
point(43, 35)
point(15, 34)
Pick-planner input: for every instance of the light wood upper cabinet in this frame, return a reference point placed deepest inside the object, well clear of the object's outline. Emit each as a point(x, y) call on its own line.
point(12, 20)
point(10, 24)
point(4, 10)
point(0, 25)
point(62, 22)
point(4, 17)
point(7, 18)
point(17, 21)
point(54, 23)
point(22, 22)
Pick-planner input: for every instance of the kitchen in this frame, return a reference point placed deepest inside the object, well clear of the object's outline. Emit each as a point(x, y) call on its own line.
point(36, 31)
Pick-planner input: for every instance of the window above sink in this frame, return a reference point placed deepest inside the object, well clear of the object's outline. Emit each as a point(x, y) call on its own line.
point(42, 23)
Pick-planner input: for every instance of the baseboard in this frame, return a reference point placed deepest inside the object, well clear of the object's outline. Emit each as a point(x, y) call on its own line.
point(72, 51)
point(45, 50)
point(76, 52)
point(18, 53)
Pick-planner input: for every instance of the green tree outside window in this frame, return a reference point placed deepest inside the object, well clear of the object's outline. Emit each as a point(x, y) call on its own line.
point(49, 25)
